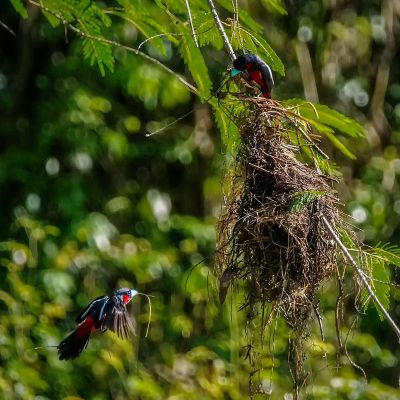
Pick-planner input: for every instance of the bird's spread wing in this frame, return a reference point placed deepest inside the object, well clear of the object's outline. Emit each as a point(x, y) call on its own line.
point(95, 309)
point(117, 319)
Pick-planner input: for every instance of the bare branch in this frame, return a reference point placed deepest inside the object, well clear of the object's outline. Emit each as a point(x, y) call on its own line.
point(221, 30)
point(191, 23)
point(362, 276)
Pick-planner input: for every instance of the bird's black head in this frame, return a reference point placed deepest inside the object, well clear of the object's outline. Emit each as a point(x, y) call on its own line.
point(126, 294)
point(241, 62)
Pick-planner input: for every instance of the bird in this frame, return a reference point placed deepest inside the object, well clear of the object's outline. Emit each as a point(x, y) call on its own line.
point(105, 312)
point(258, 71)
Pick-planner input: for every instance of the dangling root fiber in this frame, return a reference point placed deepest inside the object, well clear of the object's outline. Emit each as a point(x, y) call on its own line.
point(271, 235)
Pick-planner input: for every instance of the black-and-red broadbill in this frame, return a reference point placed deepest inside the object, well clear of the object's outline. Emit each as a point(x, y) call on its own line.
point(258, 71)
point(106, 312)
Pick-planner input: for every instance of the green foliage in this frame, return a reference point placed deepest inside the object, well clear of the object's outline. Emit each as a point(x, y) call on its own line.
point(228, 130)
point(255, 43)
point(195, 62)
point(90, 204)
point(326, 120)
point(139, 16)
point(244, 16)
point(328, 117)
point(378, 260)
point(19, 8)
point(275, 6)
point(90, 20)
point(302, 199)
point(389, 253)
point(206, 30)
point(381, 279)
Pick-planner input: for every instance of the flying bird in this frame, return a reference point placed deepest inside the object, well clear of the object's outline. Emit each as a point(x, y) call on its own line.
point(106, 312)
point(258, 71)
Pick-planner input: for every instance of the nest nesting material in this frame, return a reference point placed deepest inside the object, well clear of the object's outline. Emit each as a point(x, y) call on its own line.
point(271, 233)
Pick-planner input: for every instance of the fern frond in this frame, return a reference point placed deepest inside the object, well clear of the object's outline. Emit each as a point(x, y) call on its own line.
point(207, 32)
point(90, 19)
point(389, 253)
point(379, 277)
point(302, 199)
point(144, 23)
point(229, 131)
point(258, 45)
point(243, 16)
point(196, 64)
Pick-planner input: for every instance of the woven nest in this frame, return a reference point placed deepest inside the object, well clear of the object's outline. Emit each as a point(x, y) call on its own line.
point(271, 234)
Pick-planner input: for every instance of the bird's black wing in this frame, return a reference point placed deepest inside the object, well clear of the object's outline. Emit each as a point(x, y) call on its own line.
point(94, 309)
point(267, 75)
point(116, 318)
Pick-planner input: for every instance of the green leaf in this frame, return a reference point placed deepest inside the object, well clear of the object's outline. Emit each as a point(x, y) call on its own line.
point(229, 131)
point(207, 32)
point(89, 19)
point(327, 116)
point(339, 145)
point(243, 16)
point(53, 21)
point(380, 276)
point(347, 239)
point(19, 8)
point(98, 53)
point(302, 199)
point(196, 64)
point(275, 6)
point(144, 23)
point(258, 45)
point(391, 254)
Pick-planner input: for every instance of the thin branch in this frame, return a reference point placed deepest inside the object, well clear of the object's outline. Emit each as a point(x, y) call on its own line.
point(362, 276)
point(116, 44)
point(7, 28)
point(221, 30)
point(191, 23)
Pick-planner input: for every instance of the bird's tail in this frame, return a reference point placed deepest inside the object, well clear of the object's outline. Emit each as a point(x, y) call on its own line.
point(73, 345)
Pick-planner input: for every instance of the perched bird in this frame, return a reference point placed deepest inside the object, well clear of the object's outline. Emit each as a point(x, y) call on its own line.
point(257, 70)
point(106, 312)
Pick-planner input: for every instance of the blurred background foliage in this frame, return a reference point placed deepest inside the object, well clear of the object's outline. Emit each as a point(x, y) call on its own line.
point(90, 204)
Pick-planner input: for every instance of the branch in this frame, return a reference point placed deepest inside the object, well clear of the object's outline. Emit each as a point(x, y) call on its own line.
point(361, 275)
point(191, 23)
point(221, 30)
point(7, 28)
point(116, 44)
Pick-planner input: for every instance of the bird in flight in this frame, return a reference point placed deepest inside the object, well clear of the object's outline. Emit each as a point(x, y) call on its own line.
point(106, 312)
point(257, 70)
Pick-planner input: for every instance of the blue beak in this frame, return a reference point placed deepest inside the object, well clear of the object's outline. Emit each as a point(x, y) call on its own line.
point(235, 72)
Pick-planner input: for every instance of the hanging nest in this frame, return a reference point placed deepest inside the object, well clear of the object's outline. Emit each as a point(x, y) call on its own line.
point(271, 234)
